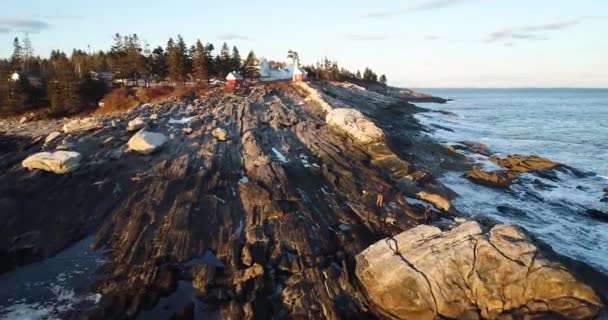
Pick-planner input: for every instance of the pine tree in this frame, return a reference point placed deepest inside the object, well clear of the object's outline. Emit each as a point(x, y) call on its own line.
point(28, 53)
point(184, 56)
point(224, 61)
point(200, 63)
point(383, 79)
point(17, 57)
point(158, 63)
point(250, 69)
point(235, 60)
point(63, 85)
point(358, 75)
point(175, 62)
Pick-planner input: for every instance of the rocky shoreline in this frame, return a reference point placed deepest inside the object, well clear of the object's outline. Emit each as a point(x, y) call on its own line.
point(252, 202)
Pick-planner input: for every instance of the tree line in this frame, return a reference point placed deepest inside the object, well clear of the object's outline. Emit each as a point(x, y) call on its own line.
point(329, 70)
point(72, 83)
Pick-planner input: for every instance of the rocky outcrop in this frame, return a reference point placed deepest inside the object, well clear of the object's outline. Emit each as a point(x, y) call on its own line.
point(524, 164)
point(84, 124)
point(58, 162)
point(466, 273)
point(476, 147)
point(136, 124)
point(355, 124)
point(497, 179)
point(438, 201)
point(145, 142)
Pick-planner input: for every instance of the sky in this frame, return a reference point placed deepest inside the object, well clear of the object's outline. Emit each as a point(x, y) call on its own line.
point(416, 43)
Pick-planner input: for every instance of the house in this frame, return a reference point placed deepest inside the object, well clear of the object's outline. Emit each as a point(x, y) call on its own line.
point(234, 80)
point(299, 75)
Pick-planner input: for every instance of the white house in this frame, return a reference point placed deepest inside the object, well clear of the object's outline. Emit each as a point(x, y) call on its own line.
point(291, 72)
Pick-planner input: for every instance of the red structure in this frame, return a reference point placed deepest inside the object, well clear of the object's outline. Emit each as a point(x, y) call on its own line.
point(299, 75)
point(234, 80)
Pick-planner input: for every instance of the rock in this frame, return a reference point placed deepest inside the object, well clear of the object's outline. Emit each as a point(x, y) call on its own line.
point(154, 116)
point(597, 215)
point(184, 313)
point(477, 147)
point(23, 120)
point(116, 154)
point(136, 124)
point(203, 277)
point(84, 124)
point(146, 142)
point(250, 273)
point(52, 136)
point(219, 134)
point(246, 258)
point(355, 124)
point(465, 273)
point(59, 162)
point(496, 179)
point(108, 140)
point(187, 130)
point(523, 164)
point(438, 201)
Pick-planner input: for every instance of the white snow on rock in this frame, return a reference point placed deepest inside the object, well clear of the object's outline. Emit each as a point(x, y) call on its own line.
point(136, 124)
point(219, 134)
point(52, 136)
point(84, 124)
point(355, 124)
point(180, 121)
point(58, 162)
point(145, 142)
point(279, 155)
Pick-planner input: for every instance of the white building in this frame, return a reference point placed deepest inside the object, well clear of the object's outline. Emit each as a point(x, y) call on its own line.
point(291, 72)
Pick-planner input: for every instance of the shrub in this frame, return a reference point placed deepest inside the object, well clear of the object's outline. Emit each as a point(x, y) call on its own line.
point(118, 100)
point(153, 94)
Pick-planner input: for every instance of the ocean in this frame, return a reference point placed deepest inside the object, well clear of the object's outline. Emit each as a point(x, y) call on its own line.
point(565, 125)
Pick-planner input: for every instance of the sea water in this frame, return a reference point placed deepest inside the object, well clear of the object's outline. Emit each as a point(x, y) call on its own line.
point(565, 125)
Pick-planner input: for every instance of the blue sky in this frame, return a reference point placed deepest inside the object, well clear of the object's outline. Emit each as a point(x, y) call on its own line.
point(417, 43)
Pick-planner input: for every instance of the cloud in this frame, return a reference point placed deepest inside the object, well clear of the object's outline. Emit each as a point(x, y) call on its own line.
point(232, 36)
point(529, 32)
point(22, 25)
point(367, 37)
point(431, 37)
point(67, 16)
point(422, 5)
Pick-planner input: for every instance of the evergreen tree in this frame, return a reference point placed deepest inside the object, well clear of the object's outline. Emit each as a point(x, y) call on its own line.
point(185, 57)
point(17, 57)
point(158, 64)
point(28, 53)
point(250, 69)
point(235, 60)
point(63, 86)
point(358, 75)
point(175, 62)
point(200, 63)
point(14, 95)
point(224, 61)
point(383, 79)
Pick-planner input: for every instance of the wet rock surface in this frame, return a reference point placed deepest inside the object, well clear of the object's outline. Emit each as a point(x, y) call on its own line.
point(466, 273)
point(497, 178)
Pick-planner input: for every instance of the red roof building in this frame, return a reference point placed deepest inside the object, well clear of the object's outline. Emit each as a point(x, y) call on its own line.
point(234, 80)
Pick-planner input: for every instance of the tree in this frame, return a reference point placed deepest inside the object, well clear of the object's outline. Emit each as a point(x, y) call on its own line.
point(235, 60)
point(17, 57)
point(158, 63)
point(358, 75)
point(250, 69)
point(383, 79)
point(28, 53)
point(185, 57)
point(200, 63)
point(223, 61)
point(175, 62)
point(63, 86)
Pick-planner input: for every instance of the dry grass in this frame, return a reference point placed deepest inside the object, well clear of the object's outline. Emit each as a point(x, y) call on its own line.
point(153, 94)
point(118, 100)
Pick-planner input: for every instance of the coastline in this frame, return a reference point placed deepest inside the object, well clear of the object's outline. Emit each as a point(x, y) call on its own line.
point(172, 199)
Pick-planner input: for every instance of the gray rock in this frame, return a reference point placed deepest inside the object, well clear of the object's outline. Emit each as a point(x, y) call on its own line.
point(84, 124)
point(219, 134)
point(52, 136)
point(59, 162)
point(145, 142)
point(465, 273)
point(136, 124)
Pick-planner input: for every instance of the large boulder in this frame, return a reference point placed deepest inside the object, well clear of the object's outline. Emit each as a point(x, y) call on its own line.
point(59, 162)
point(84, 124)
point(465, 273)
point(136, 124)
point(219, 134)
point(145, 142)
point(355, 124)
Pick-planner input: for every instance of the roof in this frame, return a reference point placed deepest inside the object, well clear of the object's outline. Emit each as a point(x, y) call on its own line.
point(234, 76)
